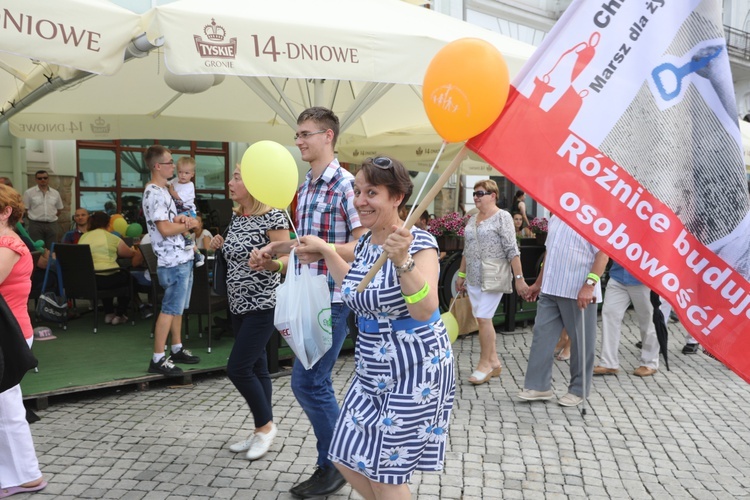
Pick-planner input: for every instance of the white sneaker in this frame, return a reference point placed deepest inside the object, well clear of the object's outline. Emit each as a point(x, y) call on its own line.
point(261, 443)
point(242, 445)
point(570, 400)
point(531, 395)
point(109, 317)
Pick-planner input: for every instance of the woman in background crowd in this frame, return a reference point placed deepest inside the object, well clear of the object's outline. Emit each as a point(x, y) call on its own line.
point(488, 234)
point(521, 230)
point(519, 205)
point(106, 248)
point(19, 468)
point(202, 236)
point(252, 299)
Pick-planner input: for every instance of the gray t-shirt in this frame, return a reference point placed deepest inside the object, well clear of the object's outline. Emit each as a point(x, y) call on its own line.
point(158, 205)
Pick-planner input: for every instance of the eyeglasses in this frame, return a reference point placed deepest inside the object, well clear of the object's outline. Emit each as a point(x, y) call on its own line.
point(305, 135)
point(479, 194)
point(42, 178)
point(170, 162)
point(382, 162)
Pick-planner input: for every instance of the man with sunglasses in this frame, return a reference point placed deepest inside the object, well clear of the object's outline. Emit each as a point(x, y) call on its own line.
point(43, 206)
point(325, 209)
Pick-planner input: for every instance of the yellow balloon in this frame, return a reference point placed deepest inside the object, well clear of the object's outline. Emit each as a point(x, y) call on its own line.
point(120, 225)
point(270, 173)
point(451, 325)
point(465, 88)
point(112, 219)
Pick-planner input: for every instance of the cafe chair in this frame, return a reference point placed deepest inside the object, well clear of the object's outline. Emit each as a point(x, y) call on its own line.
point(79, 278)
point(157, 292)
point(203, 301)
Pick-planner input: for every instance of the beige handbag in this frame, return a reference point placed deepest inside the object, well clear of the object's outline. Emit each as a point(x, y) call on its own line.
point(497, 276)
point(461, 309)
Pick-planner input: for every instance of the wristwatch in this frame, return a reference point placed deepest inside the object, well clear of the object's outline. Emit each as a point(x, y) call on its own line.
point(406, 267)
point(590, 282)
point(519, 276)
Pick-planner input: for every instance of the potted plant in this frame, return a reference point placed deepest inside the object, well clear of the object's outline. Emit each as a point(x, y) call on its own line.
point(538, 226)
point(448, 231)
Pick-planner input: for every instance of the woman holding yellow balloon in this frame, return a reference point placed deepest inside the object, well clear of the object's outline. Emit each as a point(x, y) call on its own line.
point(395, 416)
point(252, 298)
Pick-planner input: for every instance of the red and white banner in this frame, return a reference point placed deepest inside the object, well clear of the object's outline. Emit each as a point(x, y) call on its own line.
point(624, 125)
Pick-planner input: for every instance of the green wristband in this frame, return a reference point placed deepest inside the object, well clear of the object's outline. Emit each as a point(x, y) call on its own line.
point(281, 265)
point(594, 277)
point(461, 275)
point(414, 298)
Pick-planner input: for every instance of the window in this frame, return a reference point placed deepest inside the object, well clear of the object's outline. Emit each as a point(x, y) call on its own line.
point(112, 175)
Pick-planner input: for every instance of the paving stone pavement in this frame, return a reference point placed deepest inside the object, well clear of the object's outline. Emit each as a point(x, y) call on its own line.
point(679, 434)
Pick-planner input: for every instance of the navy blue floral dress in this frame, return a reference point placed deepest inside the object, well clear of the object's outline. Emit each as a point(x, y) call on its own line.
point(395, 416)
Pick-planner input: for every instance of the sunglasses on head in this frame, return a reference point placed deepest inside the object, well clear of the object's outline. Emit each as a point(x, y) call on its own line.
point(479, 194)
point(382, 162)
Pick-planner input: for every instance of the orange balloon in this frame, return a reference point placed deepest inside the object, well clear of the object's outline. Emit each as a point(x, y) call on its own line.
point(465, 88)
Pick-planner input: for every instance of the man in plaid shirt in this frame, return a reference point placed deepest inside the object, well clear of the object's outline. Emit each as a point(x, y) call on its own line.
point(325, 208)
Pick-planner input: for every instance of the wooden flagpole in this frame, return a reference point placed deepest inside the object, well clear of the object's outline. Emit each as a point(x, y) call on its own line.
point(442, 180)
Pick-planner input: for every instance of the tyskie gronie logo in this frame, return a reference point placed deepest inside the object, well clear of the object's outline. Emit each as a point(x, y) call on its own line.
point(214, 46)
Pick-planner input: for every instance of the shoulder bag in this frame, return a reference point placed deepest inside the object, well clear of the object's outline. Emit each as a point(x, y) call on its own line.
point(52, 306)
point(219, 283)
point(497, 276)
point(17, 358)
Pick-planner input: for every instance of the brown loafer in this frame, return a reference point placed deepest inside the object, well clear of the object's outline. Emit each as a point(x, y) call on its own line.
point(603, 370)
point(644, 371)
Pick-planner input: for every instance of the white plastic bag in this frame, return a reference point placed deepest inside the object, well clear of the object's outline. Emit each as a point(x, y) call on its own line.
point(303, 313)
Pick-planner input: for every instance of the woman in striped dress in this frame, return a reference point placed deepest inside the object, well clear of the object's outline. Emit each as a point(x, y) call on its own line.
point(396, 413)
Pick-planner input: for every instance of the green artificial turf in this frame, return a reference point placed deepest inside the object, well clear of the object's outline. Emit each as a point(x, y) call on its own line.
point(79, 358)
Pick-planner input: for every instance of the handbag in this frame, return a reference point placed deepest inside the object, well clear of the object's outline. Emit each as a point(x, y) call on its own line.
point(497, 276)
point(219, 283)
point(303, 313)
point(461, 309)
point(52, 306)
point(17, 357)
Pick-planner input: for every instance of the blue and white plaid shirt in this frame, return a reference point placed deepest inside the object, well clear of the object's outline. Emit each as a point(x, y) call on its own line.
point(325, 208)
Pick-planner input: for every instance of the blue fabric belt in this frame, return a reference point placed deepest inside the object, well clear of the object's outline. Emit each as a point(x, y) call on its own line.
point(373, 326)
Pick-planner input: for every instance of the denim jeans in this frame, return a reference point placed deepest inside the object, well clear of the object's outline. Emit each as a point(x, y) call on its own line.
point(313, 388)
point(247, 367)
point(177, 283)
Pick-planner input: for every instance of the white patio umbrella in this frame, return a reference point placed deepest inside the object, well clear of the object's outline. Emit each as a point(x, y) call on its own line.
point(363, 58)
point(44, 44)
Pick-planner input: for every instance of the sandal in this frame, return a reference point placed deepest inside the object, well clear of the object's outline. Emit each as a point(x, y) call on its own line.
point(13, 490)
point(482, 378)
point(563, 357)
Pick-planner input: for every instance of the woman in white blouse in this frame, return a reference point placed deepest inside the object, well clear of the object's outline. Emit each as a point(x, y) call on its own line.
point(488, 234)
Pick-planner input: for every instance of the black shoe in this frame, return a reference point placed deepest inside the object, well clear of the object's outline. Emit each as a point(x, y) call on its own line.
point(146, 311)
point(691, 348)
point(185, 356)
point(165, 367)
point(32, 417)
point(322, 483)
point(639, 344)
